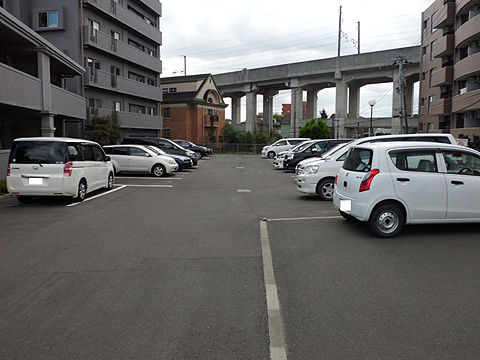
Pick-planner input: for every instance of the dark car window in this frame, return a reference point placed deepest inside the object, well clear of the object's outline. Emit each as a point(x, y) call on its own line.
point(38, 152)
point(358, 160)
point(295, 142)
point(88, 153)
point(74, 152)
point(165, 144)
point(138, 152)
point(422, 160)
point(98, 153)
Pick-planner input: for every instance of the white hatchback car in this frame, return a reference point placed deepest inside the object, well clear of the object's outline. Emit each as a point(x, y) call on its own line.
point(316, 177)
point(392, 184)
point(270, 151)
point(138, 158)
point(52, 166)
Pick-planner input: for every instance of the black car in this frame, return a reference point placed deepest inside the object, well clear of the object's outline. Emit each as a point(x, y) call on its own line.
point(164, 144)
point(310, 149)
point(199, 150)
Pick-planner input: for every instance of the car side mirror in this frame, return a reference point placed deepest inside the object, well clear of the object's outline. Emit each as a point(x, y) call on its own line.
point(107, 158)
point(314, 150)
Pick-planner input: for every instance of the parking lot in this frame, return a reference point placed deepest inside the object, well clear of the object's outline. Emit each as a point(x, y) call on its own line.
point(228, 260)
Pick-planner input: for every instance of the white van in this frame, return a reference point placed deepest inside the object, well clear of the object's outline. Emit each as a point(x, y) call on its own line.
point(316, 177)
point(51, 166)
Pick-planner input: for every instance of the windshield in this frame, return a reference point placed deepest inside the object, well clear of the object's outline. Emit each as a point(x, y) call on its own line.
point(334, 150)
point(39, 152)
point(156, 150)
point(302, 146)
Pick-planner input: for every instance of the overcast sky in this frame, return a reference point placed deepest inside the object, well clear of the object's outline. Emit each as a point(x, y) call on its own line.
point(217, 36)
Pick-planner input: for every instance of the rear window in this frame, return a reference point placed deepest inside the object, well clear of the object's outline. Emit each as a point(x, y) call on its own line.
point(38, 152)
point(358, 160)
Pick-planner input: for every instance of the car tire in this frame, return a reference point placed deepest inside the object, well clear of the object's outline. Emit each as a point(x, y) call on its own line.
point(81, 191)
point(25, 199)
point(110, 181)
point(386, 221)
point(271, 154)
point(198, 155)
point(158, 170)
point(325, 189)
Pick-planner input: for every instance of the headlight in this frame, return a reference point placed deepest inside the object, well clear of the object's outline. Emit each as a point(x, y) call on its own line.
point(190, 153)
point(290, 156)
point(171, 162)
point(309, 170)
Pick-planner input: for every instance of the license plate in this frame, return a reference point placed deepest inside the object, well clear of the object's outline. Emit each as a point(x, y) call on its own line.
point(346, 205)
point(35, 181)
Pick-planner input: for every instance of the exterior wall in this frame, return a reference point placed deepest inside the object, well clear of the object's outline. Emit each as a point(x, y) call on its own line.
point(450, 68)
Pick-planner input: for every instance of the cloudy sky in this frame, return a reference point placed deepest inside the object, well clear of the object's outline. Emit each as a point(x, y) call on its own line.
point(216, 36)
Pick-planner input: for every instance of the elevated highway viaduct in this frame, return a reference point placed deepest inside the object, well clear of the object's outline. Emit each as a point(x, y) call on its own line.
point(346, 73)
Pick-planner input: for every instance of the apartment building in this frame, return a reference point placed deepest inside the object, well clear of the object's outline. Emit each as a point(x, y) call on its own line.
point(118, 43)
point(193, 108)
point(450, 68)
point(34, 100)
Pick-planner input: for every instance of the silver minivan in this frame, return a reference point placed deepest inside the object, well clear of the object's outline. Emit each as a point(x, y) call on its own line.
point(52, 166)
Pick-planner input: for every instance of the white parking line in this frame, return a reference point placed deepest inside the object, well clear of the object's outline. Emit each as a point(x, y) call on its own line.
point(149, 178)
point(151, 186)
point(306, 218)
point(96, 196)
point(276, 331)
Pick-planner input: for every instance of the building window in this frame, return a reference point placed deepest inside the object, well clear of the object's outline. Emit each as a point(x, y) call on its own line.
point(168, 133)
point(117, 106)
point(431, 127)
point(164, 91)
point(48, 19)
point(94, 103)
point(430, 78)
point(172, 90)
point(151, 82)
point(167, 112)
point(209, 112)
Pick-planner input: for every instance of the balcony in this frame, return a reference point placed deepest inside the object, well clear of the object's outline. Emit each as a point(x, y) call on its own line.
point(469, 66)
point(444, 76)
point(468, 101)
point(120, 84)
point(128, 119)
point(102, 41)
point(441, 107)
point(444, 46)
point(27, 94)
point(129, 19)
point(463, 6)
point(468, 32)
point(446, 16)
point(154, 5)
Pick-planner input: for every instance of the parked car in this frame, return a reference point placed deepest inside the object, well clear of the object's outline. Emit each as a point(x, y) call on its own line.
point(391, 184)
point(310, 149)
point(270, 151)
point(317, 178)
point(166, 145)
point(278, 161)
point(137, 158)
point(50, 166)
point(184, 162)
point(200, 151)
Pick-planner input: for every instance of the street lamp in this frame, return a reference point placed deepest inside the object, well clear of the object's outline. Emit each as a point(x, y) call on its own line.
point(372, 104)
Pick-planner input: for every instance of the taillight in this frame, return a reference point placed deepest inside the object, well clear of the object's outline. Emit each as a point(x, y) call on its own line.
point(67, 170)
point(336, 179)
point(367, 180)
point(8, 170)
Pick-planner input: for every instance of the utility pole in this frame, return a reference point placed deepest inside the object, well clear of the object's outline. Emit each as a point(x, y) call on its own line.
point(184, 65)
point(339, 31)
point(400, 60)
point(359, 38)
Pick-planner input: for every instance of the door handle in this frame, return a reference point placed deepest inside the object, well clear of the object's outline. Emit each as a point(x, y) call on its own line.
point(454, 182)
point(403, 179)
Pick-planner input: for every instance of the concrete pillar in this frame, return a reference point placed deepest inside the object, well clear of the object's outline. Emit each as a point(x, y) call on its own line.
point(409, 100)
point(43, 68)
point(297, 111)
point(268, 111)
point(341, 99)
point(48, 125)
point(236, 110)
point(312, 104)
point(251, 115)
point(354, 101)
point(396, 103)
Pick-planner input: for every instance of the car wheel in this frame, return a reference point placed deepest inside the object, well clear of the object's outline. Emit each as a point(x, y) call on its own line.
point(271, 154)
point(386, 221)
point(325, 189)
point(198, 155)
point(82, 191)
point(158, 170)
point(24, 199)
point(110, 181)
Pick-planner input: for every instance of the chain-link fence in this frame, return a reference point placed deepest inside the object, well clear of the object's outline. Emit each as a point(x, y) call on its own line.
point(253, 149)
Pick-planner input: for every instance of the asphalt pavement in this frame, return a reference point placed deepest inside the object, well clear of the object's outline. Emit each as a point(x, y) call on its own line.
point(178, 268)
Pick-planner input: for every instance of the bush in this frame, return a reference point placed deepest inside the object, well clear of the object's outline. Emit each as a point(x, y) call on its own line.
point(3, 187)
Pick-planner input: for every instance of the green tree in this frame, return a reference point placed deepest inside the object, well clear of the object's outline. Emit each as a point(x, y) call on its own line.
point(105, 130)
point(278, 117)
point(315, 129)
point(323, 115)
point(230, 135)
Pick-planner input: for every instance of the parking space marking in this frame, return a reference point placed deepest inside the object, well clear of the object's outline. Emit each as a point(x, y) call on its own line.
point(148, 178)
point(306, 218)
point(96, 196)
point(151, 186)
point(276, 331)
